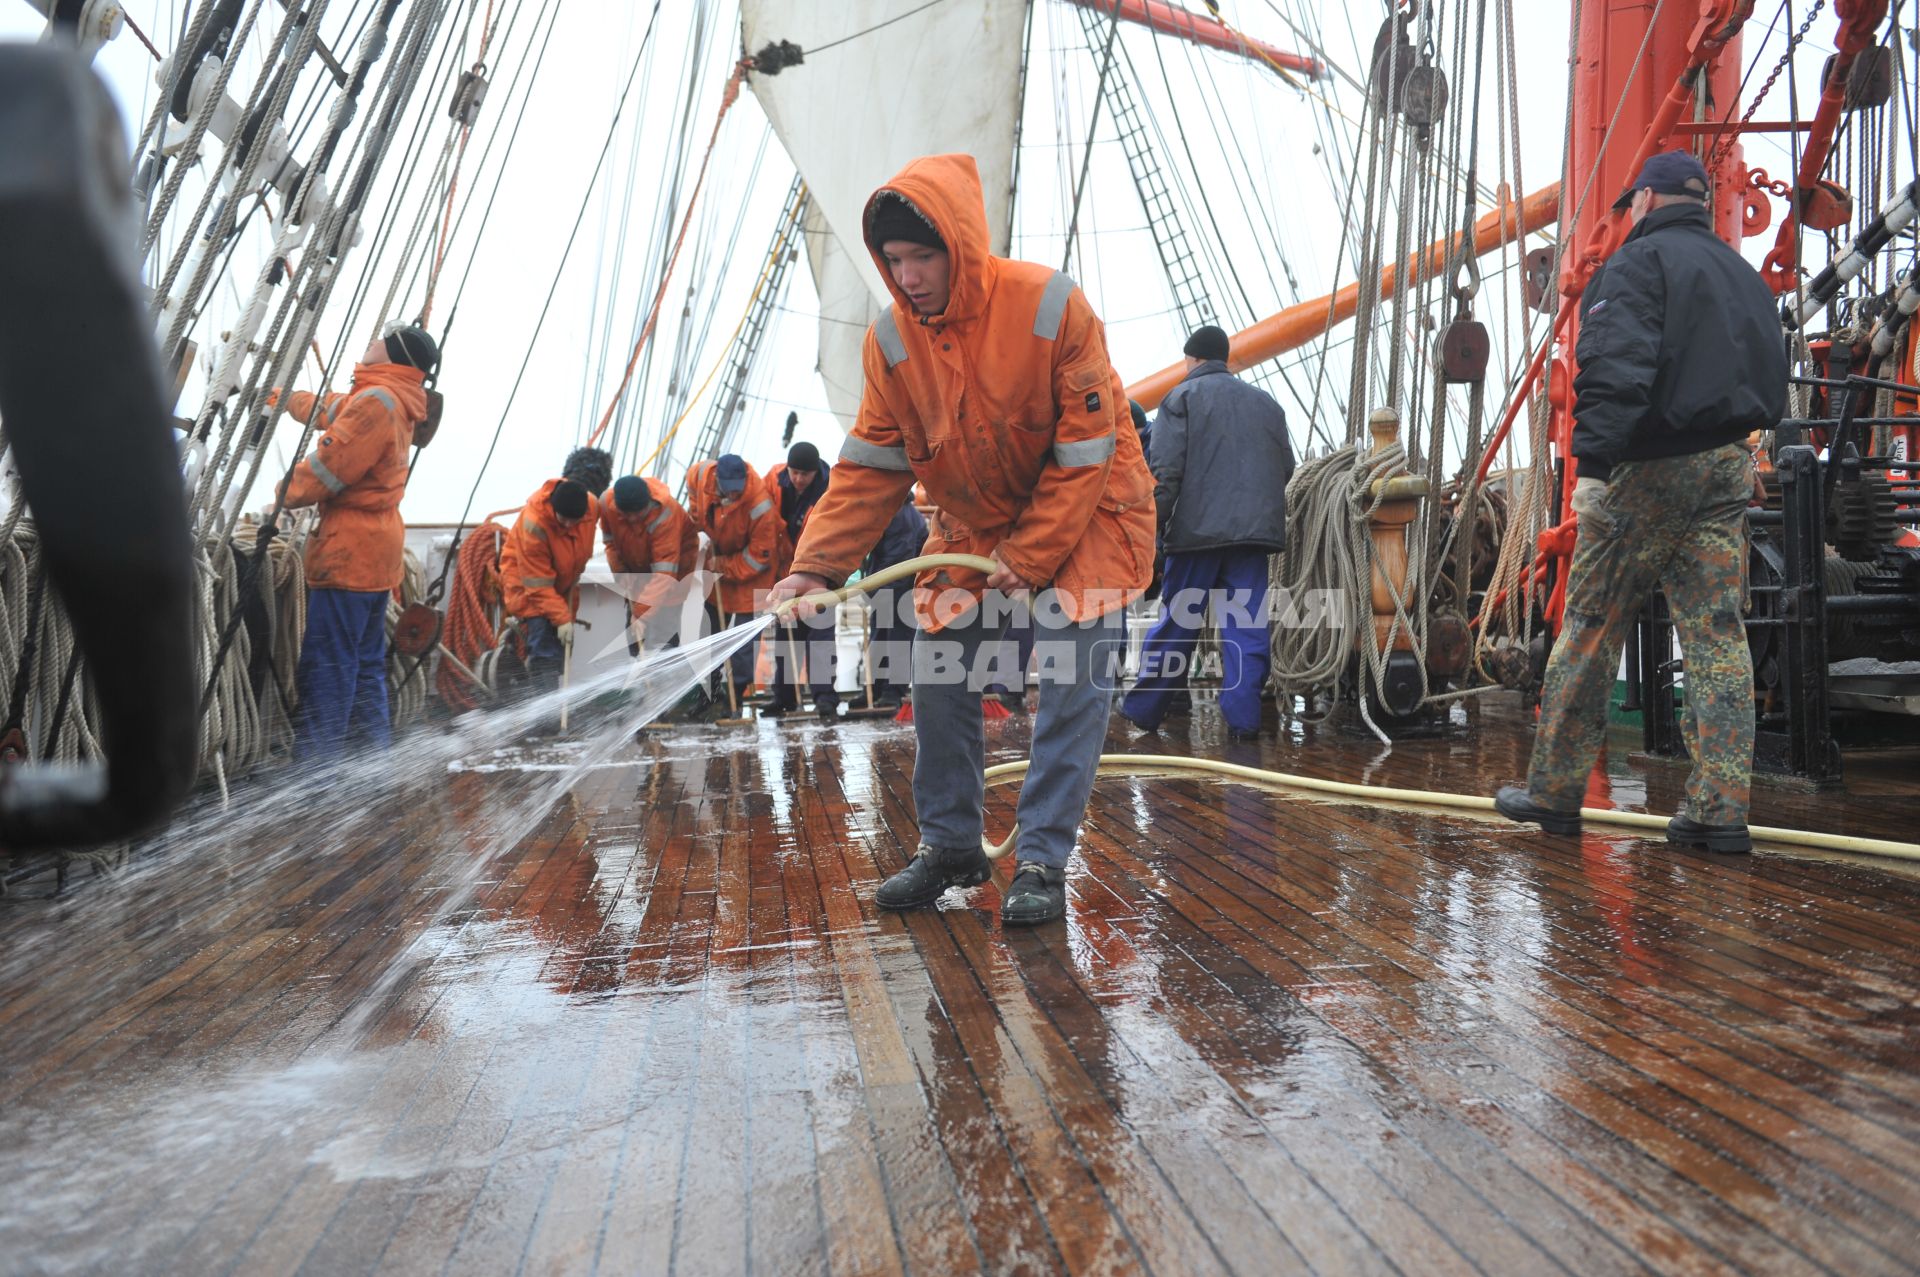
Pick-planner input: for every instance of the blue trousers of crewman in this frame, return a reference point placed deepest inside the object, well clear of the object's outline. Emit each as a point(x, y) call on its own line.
point(343, 676)
point(1235, 581)
point(1075, 673)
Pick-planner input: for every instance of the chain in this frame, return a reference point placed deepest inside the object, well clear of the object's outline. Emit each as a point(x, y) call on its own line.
point(1806, 25)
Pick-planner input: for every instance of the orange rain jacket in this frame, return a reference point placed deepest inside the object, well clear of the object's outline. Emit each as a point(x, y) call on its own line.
point(1006, 408)
point(541, 562)
point(356, 475)
point(745, 533)
point(660, 542)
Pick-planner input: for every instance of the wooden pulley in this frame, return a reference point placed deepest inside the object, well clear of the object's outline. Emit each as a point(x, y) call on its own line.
point(1869, 80)
point(1423, 96)
point(417, 630)
point(1536, 273)
point(424, 431)
point(1449, 644)
point(1461, 352)
point(1393, 59)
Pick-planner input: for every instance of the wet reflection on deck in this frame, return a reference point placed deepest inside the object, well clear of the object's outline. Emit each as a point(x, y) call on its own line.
point(670, 1032)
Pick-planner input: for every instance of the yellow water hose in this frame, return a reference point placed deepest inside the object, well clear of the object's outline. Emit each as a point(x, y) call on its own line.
point(1160, 764)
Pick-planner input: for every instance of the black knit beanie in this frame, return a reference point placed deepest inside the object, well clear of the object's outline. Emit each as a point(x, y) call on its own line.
point(893, 218)
point(631, 495)
point(569, 500)
point(1207, 342)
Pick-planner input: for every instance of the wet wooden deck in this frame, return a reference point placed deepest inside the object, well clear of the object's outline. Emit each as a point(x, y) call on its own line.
point(670, 1033)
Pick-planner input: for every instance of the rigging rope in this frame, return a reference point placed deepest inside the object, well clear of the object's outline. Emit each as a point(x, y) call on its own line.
point(728, 96)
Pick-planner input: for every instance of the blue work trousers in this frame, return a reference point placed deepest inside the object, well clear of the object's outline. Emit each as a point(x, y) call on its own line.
point(1075, 671)
point(1235, 582)
point(343, 676)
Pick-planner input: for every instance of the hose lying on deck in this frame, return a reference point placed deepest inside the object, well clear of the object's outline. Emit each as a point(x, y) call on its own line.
point(1160, 764)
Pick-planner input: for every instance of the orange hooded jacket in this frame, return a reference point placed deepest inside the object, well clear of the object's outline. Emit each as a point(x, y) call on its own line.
point(542, 561)
point(745, 533)
point(356, 475)
point(660, 542)
point(1007, 409)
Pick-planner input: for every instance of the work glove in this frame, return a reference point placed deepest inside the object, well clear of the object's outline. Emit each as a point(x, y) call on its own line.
point(565, 633)
point(1587, 496)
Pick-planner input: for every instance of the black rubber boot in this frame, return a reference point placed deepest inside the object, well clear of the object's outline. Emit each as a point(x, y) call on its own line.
point(928, 875)
point(1727, 839)
point(1037, 894)
point(1516, 803)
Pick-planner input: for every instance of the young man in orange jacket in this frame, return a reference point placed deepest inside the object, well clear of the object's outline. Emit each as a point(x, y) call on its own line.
point(648, 538)
point(540, 564)
point(355, 475)
point(732, 505)
point(988, 379)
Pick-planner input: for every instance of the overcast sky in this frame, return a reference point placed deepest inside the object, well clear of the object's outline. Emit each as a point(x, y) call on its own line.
point(1259, 165)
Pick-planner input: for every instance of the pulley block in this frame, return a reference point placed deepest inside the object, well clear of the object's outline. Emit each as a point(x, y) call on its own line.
point(1461, 351)
point(1869, 80)
point(1536, 272)
point(417, 630)
point(424, 431)
point(1398, 690)
point(1826, 206)
point(1423, 96)
point(1449, 646)
point(468, 95)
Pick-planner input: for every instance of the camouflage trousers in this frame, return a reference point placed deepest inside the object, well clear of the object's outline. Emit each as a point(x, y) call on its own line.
point(1678, 523)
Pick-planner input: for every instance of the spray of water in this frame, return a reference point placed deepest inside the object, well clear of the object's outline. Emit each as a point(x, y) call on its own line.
point(105, 1129)
point(438, 808)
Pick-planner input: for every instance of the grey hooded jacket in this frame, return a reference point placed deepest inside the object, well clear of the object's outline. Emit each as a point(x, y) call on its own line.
point(1221, 462)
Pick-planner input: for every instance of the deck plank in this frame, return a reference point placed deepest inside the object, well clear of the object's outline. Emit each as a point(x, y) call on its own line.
point(664, 1028)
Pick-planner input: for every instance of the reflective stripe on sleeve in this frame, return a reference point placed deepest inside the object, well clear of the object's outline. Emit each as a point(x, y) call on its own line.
point(324, 475)
point(887, 332)
point(533, 528)
point(537, 582)
point(746, 557)
point(862, 453)
point(766, 504)
point(1053, 305)
point(665, 565)
point(387, 399)
point(654, 524)
point(1086, 452)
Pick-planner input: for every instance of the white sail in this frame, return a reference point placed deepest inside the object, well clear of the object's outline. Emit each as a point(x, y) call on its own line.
point(852, 115)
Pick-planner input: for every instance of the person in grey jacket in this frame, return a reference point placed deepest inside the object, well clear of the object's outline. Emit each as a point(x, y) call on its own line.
point(1221, 462)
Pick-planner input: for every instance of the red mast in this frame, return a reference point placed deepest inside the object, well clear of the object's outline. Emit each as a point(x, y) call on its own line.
point(1644, 71)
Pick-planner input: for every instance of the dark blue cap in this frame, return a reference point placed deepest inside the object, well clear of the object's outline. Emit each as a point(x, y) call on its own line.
point(1668, 173)
point(731, 471)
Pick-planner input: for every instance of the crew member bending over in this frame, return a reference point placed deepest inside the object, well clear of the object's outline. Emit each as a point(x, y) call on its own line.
point(732, 505)
point(650, 539)
point(989, 380)
point(540, 565)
